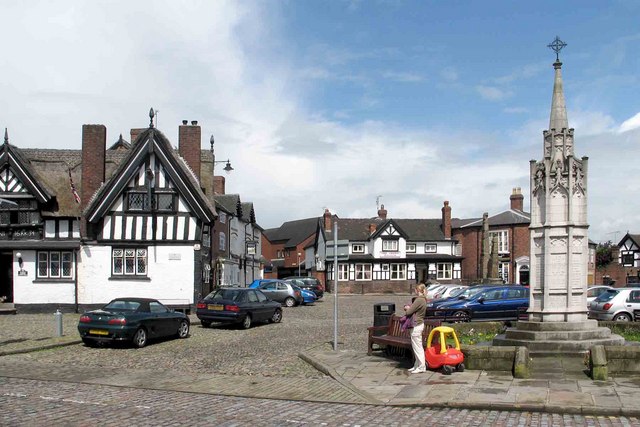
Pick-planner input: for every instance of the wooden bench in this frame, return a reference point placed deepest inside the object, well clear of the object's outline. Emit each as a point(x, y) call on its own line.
point(394, 336)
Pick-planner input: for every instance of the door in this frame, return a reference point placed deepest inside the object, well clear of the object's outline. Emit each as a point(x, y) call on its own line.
point(254, 307)
point(515, 298)
point(6, 277)
point(163, 324)
point(488, 305)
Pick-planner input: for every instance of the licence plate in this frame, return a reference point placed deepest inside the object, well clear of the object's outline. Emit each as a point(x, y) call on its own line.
point(98, 332)
point(216, 307)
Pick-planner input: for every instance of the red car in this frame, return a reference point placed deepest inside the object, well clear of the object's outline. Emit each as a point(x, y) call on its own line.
point(443, 350)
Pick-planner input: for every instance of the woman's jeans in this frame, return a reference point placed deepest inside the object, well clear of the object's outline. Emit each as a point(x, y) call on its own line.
point(416, 345)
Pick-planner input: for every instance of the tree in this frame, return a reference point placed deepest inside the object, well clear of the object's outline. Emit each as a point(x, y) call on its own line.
point(604, 254)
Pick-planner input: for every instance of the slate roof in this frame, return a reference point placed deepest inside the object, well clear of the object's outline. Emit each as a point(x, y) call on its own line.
point(357, 229)
point(293, 232)
point(508, 217)
point(635, 238)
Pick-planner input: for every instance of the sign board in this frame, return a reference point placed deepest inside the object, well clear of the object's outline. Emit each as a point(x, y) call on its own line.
point(251, 248)
point(22, 272)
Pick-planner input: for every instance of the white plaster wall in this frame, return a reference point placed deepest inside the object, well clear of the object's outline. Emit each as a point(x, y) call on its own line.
point(25, 291)
point(169, 278)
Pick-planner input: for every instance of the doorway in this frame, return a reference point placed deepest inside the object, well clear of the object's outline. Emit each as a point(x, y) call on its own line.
point(6, 277)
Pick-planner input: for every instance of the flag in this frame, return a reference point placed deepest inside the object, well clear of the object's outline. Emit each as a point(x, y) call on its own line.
point(76, 196)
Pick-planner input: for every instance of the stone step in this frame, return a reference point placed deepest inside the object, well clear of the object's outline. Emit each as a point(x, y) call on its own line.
point(558, 347)
point(597, 333)
point(7, 308)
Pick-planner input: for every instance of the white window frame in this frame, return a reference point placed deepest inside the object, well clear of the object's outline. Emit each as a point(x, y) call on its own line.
point(430, 248)
point(445, 271)
point(357, 248)
point(411, 248)
point(222, 217)
point(390, 245)
point(398, 272)
point(222, 241)
point(503, 271)
point(343, 272)
point(124, 254)
point(46, 260)
point(503, 240)
point(363, 272)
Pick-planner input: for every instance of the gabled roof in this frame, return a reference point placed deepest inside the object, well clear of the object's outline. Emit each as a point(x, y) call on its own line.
point(357, 229)
point(21, 167)
point(152, 141)
point(385, 226)
point(635, 238)
point(508, 217)
point(228, 202)
point(293, 232)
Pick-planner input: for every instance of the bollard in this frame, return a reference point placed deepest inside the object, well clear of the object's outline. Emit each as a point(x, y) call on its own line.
point(58, 317)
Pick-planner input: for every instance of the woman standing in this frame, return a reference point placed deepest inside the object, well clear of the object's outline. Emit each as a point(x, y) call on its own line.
point(418, 309)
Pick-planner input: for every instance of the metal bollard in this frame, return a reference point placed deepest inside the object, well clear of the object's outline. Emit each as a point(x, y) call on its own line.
point(58, 317)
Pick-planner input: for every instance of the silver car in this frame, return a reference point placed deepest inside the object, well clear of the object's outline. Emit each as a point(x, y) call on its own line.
point(619, 304)
point(281, 291)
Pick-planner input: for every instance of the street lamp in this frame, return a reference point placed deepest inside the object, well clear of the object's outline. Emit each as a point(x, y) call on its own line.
point(227, 168)
point(299, 263)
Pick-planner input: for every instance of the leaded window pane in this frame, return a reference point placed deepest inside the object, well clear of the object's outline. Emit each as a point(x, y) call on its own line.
point(142, 265)
point(165, 202)
point(43, 263)
point(67, 264)
point(54, 264)
point(137, 201)
point(117, 265)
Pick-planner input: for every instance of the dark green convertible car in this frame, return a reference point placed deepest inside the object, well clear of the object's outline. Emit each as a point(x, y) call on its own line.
point(134, 320)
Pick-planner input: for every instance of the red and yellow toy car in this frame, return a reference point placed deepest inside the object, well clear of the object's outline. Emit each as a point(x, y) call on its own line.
point(443, 350)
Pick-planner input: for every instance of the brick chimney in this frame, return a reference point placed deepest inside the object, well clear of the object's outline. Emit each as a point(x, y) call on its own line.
point(446, 220)
point(94, 145)
point(218, 185)
point(372, 228)
point(189, 137)
point(328, 223)
point(382, 212)
point(517, 199)
point(135, 132)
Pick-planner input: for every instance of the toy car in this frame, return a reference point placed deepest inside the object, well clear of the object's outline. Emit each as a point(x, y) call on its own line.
point(442, 354)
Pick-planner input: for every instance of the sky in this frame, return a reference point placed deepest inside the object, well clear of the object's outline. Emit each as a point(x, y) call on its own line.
point(342, 104)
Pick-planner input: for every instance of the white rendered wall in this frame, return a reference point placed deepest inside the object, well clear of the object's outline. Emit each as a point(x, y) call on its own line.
point(170, 270)
point(26, 291)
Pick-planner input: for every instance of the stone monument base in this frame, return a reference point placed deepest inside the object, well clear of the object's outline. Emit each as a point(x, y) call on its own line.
point(542, 338)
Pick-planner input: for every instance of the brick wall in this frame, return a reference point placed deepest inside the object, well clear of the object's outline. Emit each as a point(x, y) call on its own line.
point(376, 287)
point(189, 137)
point(470, 240)
point(94, 145)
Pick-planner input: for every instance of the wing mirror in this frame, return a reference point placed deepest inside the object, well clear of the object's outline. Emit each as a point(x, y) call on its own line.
point(481, 300)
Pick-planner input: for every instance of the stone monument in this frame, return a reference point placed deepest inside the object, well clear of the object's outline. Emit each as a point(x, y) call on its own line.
point(557, 315)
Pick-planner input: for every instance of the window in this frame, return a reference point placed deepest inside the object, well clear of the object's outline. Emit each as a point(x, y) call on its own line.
point(279, 254)
point(343, 272)
point(363, 271)
point(54, 264)
point(444, 270)
point(206, 241)
point(398, 271)
point(627, 258)
point(503, 241)
point(503, 271)
point(222, 217)
point(129, 262)
point(138, 201)
point(357, 248)
point(156, 307)
point(411, 247)
point(165, 202)
point(430, 248)
point(390, 245)
point(25, 213)
point(222, 243)
point(516, 293)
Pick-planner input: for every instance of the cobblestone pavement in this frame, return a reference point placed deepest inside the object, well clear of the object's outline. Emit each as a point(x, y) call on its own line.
point(266, 349)
point(39, 403)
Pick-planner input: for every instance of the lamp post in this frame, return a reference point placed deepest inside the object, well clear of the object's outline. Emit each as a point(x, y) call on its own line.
point(299, 263)
point(227, 168)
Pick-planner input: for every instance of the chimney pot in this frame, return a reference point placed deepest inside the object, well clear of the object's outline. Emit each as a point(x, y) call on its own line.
point(184, 122)
point(327, 220)
point(446, 220)
point(194, 122)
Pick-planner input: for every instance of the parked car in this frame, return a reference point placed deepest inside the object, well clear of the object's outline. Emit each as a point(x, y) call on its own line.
point(594, 292)
point(308, 297)
point(132, 319)
point(616, 304)
point(447, 291)
point(279, 290)
point(243, 306)
point(487, 303)
point(433, 289)
point(310, 283)
point(460, 294)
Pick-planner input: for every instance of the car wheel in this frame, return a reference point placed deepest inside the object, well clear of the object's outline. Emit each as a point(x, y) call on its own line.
point(622, 317)
point(88, 342)
point(289, 302)
point(277, 316)
point(183, 329)
point(460, 367)
point(205, 324)
point(140, 338)
point(447, 370)
point(461, 316)
point(246, 322)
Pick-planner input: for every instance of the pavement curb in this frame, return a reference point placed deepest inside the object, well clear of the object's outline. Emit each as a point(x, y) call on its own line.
point(327, 370)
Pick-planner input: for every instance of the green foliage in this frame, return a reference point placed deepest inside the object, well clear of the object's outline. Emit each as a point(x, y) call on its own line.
point(474, 333)
point(604, 254)
point(629, 331)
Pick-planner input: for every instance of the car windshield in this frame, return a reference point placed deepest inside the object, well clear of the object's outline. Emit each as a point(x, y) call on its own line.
point(608, 295)
point(122, 305)
point(457, 292)
point(227, 294)
point(469, 292)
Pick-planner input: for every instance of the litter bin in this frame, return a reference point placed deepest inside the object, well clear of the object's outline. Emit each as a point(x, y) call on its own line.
point(382, 312)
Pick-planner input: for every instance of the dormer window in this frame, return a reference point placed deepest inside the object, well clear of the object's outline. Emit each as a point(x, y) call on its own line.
point(411, 248)
point(390, 245)
point(357, 248)
point(430, 248)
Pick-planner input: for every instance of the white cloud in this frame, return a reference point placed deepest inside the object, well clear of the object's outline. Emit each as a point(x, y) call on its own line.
point(492, 93)
point(449, 74)
point(402, 77)
point(630, 124)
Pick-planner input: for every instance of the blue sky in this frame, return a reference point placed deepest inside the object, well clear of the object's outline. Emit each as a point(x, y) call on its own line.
point(330, 104)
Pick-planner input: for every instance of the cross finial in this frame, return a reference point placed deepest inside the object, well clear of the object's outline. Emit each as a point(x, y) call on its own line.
point(557, 45)
point(6, 136)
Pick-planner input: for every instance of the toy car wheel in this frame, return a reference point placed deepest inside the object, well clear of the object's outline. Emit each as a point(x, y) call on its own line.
point(447, 369)
point(460, 367)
